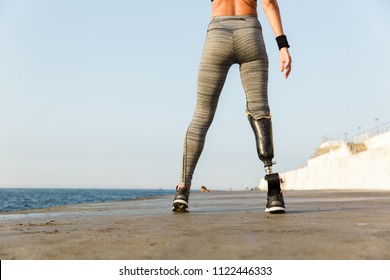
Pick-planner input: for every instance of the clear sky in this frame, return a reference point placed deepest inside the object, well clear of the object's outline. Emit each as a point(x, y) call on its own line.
point(100, 93)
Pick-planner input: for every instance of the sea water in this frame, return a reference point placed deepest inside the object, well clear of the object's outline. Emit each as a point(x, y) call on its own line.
point(14, 199)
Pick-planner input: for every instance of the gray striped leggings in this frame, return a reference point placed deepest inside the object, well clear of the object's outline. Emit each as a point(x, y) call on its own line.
point(230, 40)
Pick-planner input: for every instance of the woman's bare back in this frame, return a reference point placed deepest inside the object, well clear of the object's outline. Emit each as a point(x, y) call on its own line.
point(234, 8)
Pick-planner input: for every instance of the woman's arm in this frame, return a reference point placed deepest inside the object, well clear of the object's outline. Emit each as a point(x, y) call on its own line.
point(271, 9)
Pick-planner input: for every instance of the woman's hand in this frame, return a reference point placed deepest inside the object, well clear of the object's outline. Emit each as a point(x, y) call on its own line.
point(285, 62)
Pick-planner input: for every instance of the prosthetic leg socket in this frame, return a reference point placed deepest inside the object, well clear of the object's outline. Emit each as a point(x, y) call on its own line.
point(264, 139)
point(265, 149)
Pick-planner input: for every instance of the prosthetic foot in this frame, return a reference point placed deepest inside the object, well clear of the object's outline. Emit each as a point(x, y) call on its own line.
point(265, 149)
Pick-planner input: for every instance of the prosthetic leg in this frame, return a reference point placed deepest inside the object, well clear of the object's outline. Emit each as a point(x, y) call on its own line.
point(265, 149)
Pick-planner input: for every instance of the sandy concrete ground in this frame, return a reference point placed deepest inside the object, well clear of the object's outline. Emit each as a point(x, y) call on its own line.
point(221, 225)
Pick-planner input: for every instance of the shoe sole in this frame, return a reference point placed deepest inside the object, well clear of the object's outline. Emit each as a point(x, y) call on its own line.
point(275, 210)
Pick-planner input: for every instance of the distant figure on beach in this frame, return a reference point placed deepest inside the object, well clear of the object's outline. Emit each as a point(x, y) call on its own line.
point(204, 189)
point(235, 36)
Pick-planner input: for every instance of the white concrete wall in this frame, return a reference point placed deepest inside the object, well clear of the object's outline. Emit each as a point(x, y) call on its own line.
point(340, 169)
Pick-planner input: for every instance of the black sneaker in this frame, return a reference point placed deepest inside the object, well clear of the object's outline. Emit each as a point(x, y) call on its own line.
point(275, 204)
point(180, 202)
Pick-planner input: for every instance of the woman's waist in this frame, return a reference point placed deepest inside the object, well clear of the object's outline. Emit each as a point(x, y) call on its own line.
point(234, 22)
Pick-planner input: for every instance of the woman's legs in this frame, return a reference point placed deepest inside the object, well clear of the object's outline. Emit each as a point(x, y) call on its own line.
point(230, 40)
point(213, 69)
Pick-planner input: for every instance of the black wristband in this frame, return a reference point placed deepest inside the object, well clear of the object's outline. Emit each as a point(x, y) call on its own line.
point(282, 41)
